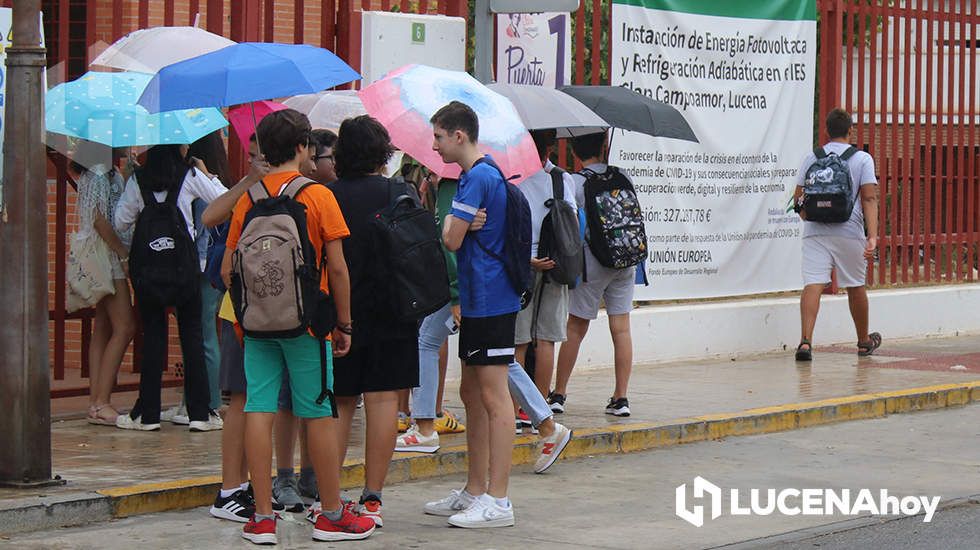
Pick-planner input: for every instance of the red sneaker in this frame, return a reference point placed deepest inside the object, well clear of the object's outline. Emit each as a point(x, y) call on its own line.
point(260, 532)
point(348, 527)
point(371, 509)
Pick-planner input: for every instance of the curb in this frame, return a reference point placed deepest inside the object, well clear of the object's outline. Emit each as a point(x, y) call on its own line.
point(41, 513)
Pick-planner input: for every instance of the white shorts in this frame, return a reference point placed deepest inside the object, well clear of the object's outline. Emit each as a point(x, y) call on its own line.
point(822, 255)
point(602, 284)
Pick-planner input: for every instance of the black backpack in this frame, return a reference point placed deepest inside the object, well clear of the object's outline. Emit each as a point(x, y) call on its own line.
point(828, 194)
point(560, 239)
point(617, 236)
point(517, 240)
point(163, 259)
point(410, 255)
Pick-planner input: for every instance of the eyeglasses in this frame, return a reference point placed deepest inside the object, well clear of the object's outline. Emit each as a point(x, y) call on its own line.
point(317, 158)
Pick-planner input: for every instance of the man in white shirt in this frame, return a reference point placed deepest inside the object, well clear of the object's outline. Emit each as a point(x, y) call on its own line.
point(544, 321)
point(845, 247)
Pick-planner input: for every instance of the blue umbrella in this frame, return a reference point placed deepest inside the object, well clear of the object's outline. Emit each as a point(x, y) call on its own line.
point(246, 72)
point(102, 107)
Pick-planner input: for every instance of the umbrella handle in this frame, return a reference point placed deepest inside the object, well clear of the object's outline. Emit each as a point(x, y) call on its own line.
point(255, 127)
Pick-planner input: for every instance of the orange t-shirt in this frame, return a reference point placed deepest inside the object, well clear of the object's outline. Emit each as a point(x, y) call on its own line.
point(324, 221)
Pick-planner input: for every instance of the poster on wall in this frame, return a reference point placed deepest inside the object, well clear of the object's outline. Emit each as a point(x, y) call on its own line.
point(742, 75)
point(534, 49)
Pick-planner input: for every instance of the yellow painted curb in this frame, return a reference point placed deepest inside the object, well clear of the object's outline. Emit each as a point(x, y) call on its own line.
point(640, 436)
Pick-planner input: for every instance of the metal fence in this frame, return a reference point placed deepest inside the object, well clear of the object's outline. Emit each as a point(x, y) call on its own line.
point(905, 68)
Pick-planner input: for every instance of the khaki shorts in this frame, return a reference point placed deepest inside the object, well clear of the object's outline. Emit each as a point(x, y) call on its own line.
point(824, 254)
point(548, 311)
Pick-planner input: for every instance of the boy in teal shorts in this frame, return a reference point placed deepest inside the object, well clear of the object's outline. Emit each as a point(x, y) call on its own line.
point(283, 137)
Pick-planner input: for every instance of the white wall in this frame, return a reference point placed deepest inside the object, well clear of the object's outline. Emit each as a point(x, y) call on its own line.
point(752, 326)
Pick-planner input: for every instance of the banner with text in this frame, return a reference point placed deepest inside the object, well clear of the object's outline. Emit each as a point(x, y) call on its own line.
point(742, 75)
point(534, 49)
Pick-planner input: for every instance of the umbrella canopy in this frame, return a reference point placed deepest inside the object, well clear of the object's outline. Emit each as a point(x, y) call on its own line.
point(545, 108)
point(149, 50)
point(102, 107)
point(328, 109)
point(405, 99)
point(250, 71)
point(628, 110)
point(244, 118)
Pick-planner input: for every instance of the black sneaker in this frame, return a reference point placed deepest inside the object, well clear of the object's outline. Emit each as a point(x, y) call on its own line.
point(557, 402)
point(276, 507)
point(618, 407)
point(237, 507)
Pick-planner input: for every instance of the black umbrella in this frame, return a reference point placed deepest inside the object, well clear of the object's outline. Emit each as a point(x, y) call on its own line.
point(628, 110)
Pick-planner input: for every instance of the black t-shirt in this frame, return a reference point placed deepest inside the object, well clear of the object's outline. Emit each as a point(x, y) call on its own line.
point(360, 199)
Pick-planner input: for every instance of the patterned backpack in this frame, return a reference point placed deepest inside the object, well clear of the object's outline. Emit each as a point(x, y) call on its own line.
point(828, 193)
point(616, 234)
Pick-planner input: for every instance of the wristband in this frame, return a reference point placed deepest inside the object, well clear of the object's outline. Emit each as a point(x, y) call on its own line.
point(347, 329)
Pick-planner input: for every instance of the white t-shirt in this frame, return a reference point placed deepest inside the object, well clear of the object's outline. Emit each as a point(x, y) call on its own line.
point(196, 186)
point(862, 168)
point(537, 190)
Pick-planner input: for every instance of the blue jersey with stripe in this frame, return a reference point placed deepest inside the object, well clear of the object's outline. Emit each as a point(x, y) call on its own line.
point(484, 289)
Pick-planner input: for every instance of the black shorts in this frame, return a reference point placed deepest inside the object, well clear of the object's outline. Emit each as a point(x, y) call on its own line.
point(231, 373)
point(386, 365)
point(487, 340)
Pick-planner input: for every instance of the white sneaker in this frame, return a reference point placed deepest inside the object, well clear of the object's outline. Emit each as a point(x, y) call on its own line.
point(552, 447)
point(457, 501)
point(484, 513)
point(125, 422)
point(213, 423)
point(414, 441)
point(176, 415)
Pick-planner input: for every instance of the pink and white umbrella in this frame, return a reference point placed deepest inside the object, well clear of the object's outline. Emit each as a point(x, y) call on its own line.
point(244, 118)
point(406, 98)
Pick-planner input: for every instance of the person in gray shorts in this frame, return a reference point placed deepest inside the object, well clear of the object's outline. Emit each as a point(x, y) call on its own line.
point(614, 287)
point(545, 319)
point(842, 247)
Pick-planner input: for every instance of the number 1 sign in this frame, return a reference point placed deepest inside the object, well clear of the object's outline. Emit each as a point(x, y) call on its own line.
point(534, 49)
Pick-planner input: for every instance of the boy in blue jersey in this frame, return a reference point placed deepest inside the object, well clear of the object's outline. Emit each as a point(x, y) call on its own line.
point(489, 307)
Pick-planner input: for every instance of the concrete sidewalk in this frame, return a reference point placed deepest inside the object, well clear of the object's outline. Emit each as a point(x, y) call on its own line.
point(115, 473)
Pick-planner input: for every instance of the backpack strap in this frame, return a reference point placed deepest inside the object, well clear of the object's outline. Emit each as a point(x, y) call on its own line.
point(258, 192)
point(819, 153)
point(557, 183)
point(295, 186)
point(325, 393)
point(848, 153)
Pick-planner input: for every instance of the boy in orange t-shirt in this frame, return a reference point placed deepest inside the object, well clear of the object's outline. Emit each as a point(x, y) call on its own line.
point(283, 137)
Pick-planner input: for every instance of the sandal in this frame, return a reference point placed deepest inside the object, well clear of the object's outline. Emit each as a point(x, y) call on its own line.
point(804, 354)
point(95, 415)
point(867, 348)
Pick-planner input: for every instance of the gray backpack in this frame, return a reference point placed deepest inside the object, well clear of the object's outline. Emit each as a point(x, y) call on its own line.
point(560, 238)
point(828, 195)
point(275, 277)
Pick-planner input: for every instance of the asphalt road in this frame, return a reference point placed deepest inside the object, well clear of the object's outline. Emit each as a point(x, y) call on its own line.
point(628, 501)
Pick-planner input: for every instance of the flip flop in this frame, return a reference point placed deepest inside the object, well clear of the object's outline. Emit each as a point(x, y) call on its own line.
point(867, 348)
point(804, 354)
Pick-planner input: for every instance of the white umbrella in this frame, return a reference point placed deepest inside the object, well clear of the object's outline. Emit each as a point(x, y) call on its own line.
point(543, 108)
point(149, 50)
point(327, 109)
